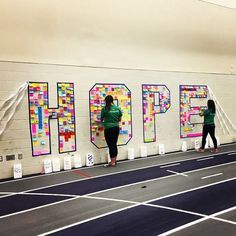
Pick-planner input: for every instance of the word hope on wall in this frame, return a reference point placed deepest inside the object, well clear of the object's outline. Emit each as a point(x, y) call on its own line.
point(155, 100)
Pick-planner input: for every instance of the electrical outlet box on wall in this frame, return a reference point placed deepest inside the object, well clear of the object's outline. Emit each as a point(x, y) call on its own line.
point(10, 157)
point(20, 156)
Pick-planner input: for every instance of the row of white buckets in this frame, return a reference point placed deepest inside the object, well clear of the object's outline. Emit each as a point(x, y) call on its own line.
point(70, 161)
point(54, 165)
point(161, 148)
point(143, 151)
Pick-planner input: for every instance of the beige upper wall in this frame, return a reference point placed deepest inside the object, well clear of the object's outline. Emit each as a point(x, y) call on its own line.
point(182, 35)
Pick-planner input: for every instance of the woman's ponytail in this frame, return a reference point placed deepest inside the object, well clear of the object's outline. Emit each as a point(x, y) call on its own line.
point(109, 101)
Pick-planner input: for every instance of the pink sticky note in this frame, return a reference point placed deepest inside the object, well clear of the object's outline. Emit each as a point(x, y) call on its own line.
point(34, 129)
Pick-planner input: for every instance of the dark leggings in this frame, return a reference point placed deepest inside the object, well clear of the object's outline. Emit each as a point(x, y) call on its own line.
point(211, 130)
point(111, 137)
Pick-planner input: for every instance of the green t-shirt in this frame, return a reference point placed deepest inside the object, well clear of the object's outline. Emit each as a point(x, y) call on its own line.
point(208, 117)
point(111, 118)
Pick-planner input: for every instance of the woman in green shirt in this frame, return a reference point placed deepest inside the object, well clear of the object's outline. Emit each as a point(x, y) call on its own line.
point(111, 116)
point(209, 125)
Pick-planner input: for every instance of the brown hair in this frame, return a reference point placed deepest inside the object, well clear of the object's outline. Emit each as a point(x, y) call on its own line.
point(211, 106)
point(109, 101)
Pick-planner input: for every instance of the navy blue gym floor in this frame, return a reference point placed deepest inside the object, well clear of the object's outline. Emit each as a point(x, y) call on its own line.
point(186, 193)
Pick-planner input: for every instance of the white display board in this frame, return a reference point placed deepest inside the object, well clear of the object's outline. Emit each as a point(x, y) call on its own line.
point(56, 164)
point(130, 153)
point(161, 149)
point(47, 166)
point(143, 151)
point(17, 171)
point(67, 163)
point(77, 161)
point(89, 159)
point(184, 147)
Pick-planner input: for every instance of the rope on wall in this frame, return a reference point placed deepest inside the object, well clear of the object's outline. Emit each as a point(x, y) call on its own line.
point(9, 106)
point(224, 4)
point(225, 122)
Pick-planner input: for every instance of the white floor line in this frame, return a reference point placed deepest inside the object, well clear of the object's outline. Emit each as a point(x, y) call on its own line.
point(98, 176)
point(7, 192)
point(110, 189)
point(87, 220)
point(111, 199)
point(176, 209)
point(49, 194)
point(224, 211)
point(145, 181)
point(194, 213)
point(211, 167)
point(125, 171)
point(39, 207)
point(160, 178)
point(213, 216)
point(205, 159)
point(119, 200)
point(166, 166)
point(38, 194)
point(97, 166)
point(84, 168)
point(149, 205)
point(222, 220)
point(89, 195)
point(234, 153)
point(205, 217)
point(201, 220)
point(101, 191)
point(8, 195)
point(128, 185)
point(211, 176)
point(86, 196)
point(73, 181)
point(74, 197)
point(182, 227)
point(122, 186)
point(177, 173)
point(190, 190)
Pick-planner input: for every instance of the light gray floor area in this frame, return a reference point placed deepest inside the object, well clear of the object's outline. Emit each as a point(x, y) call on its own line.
point(85, 208)
point(230, 215)
point(55, 216)
point(209, 228)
